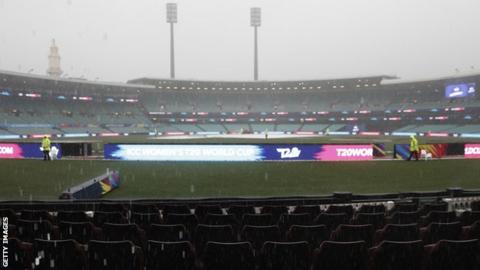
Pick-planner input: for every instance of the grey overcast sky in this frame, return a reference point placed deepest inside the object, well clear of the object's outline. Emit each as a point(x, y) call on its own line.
point(117, 40)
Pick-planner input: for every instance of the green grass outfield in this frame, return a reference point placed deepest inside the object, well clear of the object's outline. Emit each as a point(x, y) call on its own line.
point(35, 179)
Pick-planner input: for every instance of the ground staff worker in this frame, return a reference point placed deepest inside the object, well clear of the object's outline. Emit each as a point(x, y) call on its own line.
point(46, 148)
point(413, 148)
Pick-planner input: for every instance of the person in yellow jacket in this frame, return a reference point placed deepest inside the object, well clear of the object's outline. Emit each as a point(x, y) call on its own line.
point(413, 148)
point(46, 148)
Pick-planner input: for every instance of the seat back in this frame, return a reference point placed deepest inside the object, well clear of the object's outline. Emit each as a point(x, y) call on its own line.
point(258, 220)
point(59, 254)
point(82, 232)
point(454, 255)
point(392, 255)
point(258, 235)
point(121, 232)
point(168, 233)
point(216, 233)
point(340, 255)
point(112, 255)
point(351, 233)
point(239, 210)
point(398, 232)
point(169, 255)
point(232, 256)
point(405, 217)
point(286, 256)
point(314, 234)
point(376, 219)
point(72, 216)
point(442, 231)
point(331, 221)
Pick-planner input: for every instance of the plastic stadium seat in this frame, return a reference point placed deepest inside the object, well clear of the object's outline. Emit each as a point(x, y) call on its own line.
point(397, 232)
point(144, 208)
point(366, 208)
point(175, 209)
point(229, 256)
point(145, 219)
point(72, 216)
point(404, 218)
point(454, 255)
point(169, 255)
point(441, 231)
point(439, 217)
point(389, 255)
point(240, 210)
point(215, 233)
point(110, 207)
point(475, 205)
point(216, 219)
point(428, 207)
point(190, 221)
point(82, 232)
point(114, 255)
point(331, 220)
point(36, 215)
point(275, 210)
point(376, 219)
point(287, 220)
point(351, 233)
point(314, 234)
point(258, 235)
point(336, 209)
point(20, 254)
point(258, 220)
point(202, 210)
point(313, 210)
point(469, 217)
point(10, 214)
point(340, 256)
point(28, 230)
point(99, 218)
point(404, 207)
point(120, 232)
point(59, 254)
point(168, 233)
point(473, 231)
point(286, 256)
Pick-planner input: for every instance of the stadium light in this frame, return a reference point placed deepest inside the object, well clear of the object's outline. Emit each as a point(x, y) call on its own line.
point(171, 19)
point(255, 22)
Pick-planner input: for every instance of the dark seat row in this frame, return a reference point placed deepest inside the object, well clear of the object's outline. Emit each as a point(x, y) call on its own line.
point(388, 255)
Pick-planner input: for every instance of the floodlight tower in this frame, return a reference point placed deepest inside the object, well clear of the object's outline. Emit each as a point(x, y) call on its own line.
point(171, 19)
point(255, 21)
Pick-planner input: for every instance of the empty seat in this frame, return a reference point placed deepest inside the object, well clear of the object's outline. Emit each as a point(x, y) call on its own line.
point(441, 231)
point(72, 216)
point(175, 209)
point(436, 206)
point(202, 210)
point(144, 208)
point(120, 232)
point(215, 233)
point(397, 232)
point(275, 210)
point(20, 254)
point(258, 235)
point(287, 220)
point(168, 233)
point(351, 233)
point(110, 207)
point(169, 255)
point(28, 230)
point(313, 210)
point(36, 215)
point(231, 256)
point(367, 208)
point(59, 254)
point(439, 217)
point(331, 220)
point(404, 207)
point(377, 220)
point(99, 218)
point(314, 234)
point(469, 217)
point(340, 255)
point(190, 221)
point(10, 214)
point(216, 219)
point(286, 256)
point(239, 210)
point(336, 209)
point(145, 219)
point(114, 255)
point(258, 220)
point(404, 218)
point(390, 255)
point(454, 255)
point(82, 232)
point(473, 231)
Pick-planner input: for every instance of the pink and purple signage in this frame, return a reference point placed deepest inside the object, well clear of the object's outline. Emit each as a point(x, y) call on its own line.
point(10, 150)
point(24, 150)
point(348, 152)
point(472, 150)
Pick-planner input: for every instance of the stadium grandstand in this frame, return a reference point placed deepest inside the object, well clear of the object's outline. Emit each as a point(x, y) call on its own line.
point(37, 105)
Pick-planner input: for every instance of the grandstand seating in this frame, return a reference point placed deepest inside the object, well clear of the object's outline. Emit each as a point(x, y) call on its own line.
point(206, 236)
